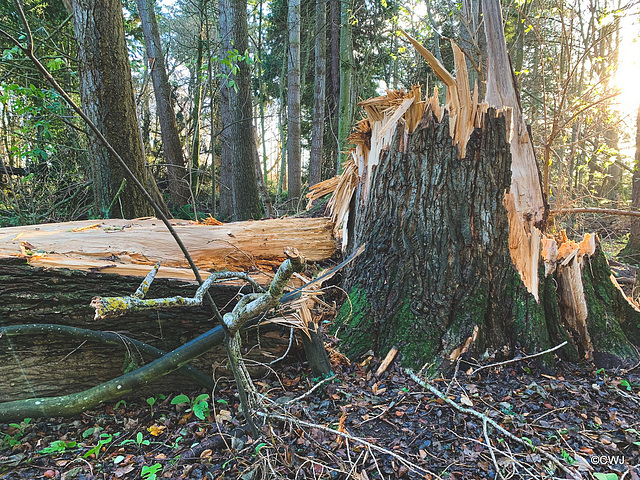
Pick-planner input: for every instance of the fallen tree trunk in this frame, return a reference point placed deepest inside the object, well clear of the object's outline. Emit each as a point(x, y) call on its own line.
point(129, 247)
point(46, 364)
point(101, 260)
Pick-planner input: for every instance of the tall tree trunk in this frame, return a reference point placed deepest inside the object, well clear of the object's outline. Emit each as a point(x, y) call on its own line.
point(345, 108)
point(319, 99)
point(195, 112)
point(239, 114)
point(294, 160)
point(107, 96)
point(214, 115)
point(631, 251)
point(281, 130)
point(177, 174)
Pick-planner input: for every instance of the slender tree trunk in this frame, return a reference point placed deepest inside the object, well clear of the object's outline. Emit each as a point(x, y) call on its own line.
point(294, 160)
point(177, 174)
point(631, 251)
point(226, 160)
point(214, 118)
point(319, 99)
point(239, 118)
point(346, 72)
point(261, 87)
point(107, 96)
point(281, 129)
point(195, 113)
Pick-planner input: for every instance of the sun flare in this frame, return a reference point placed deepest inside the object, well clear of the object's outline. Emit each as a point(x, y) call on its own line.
point(627, 77)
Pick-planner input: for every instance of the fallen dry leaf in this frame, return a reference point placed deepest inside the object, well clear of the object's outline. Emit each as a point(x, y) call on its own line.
point(156, 429)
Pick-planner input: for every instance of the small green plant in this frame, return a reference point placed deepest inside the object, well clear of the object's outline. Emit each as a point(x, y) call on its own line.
point(625, 383)
point(176, 444)
point(635, 432)
point(199, 405)
point(259, 447)
point(153, 400)
point(91, 431)
point(59, 446)
point(605, 476)
point(13, 440)
point(139, 440)
point(530, 442)
point(121, 403)
point(105, 438)
point(151, 472)
point(567, 457)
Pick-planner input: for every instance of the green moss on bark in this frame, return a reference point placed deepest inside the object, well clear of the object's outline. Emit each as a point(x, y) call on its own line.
point(607, 309)
point(355, 313)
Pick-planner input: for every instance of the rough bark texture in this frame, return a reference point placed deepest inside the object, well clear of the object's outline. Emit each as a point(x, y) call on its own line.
point(345, 108)
point(177, 174)
point(294, 159)
point(437, 262)
point(107, 99)
point(319, 99)
point(238, 117)
point(52, 365)
point(631, 251)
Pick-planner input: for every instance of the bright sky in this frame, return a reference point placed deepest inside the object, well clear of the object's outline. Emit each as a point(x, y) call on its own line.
point(627, 77)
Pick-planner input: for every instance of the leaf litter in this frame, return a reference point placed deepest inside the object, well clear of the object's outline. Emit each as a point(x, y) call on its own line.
point(356, 425)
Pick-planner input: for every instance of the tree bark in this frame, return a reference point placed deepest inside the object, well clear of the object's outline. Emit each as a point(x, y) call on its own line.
point(294, 161)
point(319, 99)
point(450, 269)
point(345, 107)
point(107, 98)
point(437, 263)
point(177, 174)
point(45, 365)
point(632, 250)
point(239, 145)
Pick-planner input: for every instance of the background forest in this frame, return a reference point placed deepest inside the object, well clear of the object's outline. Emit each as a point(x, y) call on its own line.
point(240, 112)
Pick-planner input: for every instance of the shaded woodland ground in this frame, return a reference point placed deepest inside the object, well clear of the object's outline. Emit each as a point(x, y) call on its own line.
point(587, 419)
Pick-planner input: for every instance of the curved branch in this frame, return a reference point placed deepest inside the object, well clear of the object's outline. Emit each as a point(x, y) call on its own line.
point(108, 338)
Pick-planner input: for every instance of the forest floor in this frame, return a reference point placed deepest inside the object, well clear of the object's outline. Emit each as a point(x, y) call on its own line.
point(391, 427)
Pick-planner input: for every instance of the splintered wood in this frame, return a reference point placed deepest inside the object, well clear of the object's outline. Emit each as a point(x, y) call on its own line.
point(130, 247)
point(568, 259)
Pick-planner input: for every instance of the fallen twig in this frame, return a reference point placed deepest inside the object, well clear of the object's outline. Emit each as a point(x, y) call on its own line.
point(483, 417)
point(513, 360)
point(409, 464)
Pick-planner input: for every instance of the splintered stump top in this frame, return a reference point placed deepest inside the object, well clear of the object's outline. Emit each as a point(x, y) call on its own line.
point(130, 247)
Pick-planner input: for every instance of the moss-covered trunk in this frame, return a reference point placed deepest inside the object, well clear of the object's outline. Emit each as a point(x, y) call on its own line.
point(437, 263)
